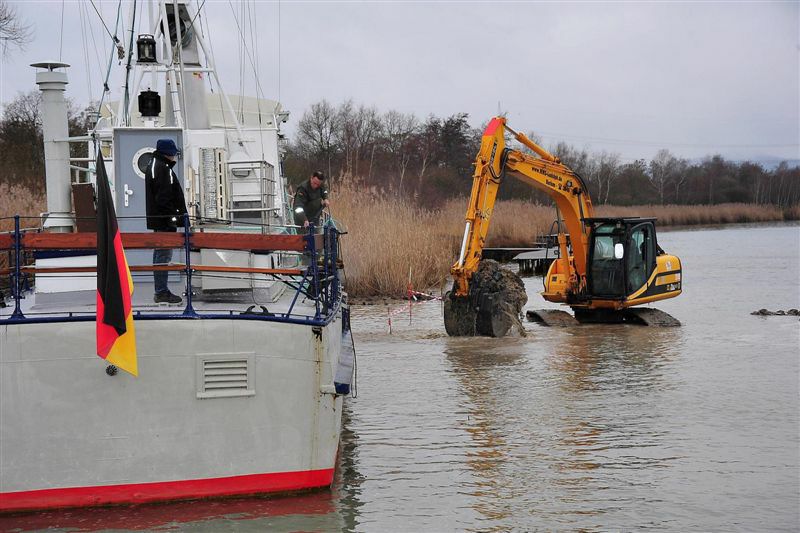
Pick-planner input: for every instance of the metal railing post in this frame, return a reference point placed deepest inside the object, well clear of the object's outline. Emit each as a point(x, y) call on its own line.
point(325, 268)
point(312, 247)
point(17, 270)
point(335, 264)
point(189, 310)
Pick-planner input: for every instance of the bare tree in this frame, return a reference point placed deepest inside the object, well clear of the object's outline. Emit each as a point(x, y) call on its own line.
point(680, 175)
point(427, 140)
point(344, 134)
point(398, 129)
point(608, 167)
point(668, 171)
point(12, 30)
point(358, 128)
point(316, 131)
point(580, 161)
point(21, 142)
point(660, 172)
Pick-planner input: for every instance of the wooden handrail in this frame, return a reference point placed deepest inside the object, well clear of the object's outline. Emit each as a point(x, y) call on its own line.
point(134, 241)
point(244, 241)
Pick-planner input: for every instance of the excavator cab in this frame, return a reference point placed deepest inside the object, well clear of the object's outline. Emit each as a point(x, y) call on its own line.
point(626, 266)
point(622, 256)
point(606, 272)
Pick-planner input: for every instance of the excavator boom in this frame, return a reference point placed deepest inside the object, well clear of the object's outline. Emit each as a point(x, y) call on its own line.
point(546, 173)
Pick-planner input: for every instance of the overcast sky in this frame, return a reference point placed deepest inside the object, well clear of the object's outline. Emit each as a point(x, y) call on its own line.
point(696, 78)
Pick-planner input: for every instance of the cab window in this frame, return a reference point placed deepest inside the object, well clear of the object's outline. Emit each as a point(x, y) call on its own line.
point(640, 257)
point(606, 273)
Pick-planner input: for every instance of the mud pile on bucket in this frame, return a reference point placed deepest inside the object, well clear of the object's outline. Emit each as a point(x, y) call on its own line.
point(496, 298)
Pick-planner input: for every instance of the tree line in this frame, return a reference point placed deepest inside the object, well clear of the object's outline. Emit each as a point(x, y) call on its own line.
point(22, 141)
point(431, 160)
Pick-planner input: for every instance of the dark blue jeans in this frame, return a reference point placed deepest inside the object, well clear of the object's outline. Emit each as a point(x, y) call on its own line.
point(160, 278)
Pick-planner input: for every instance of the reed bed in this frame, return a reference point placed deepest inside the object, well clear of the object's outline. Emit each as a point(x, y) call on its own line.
point(690, 215)
point(391, 239)
point(16, 200)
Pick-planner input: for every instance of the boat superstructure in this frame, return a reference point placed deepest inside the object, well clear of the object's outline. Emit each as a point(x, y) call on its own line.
point(239, 387)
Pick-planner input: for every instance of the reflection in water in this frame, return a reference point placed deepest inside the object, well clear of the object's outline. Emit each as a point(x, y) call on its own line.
point(253, 514)
point(592, 365)
point(348, 479)
point(478, 363)
point(613, 357)
point(539, 416)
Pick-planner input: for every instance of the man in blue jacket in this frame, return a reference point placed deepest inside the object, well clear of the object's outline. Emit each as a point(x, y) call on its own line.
point(165, 209)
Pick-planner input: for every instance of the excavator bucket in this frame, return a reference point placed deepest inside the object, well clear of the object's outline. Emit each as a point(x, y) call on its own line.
point(493, 306)
point(459, 316)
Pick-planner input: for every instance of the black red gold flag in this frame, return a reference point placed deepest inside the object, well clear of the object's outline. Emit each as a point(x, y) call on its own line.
point(116, 336)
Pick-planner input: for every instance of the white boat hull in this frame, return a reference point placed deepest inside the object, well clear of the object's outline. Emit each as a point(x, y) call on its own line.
point(73, 435)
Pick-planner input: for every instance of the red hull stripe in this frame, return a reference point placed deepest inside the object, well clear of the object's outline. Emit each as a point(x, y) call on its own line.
point(164, 490)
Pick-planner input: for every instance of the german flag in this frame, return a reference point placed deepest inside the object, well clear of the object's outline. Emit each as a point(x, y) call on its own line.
point(116, 338)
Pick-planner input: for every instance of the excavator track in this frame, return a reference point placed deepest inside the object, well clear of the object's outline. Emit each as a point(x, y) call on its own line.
point(642, 316)
point(651, 317)
point(551, 317)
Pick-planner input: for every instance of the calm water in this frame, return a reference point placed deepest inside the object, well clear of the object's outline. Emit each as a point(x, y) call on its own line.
point(592, 428)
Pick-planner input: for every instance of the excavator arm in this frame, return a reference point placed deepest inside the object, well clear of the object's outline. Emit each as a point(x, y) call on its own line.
point(546, 173)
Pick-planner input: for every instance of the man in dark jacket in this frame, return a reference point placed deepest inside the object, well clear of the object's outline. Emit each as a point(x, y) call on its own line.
point(165, 209)
point(310, 199)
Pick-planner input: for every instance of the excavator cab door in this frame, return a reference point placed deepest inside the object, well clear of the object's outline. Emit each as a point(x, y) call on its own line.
point(606, 272)
point(640, 256)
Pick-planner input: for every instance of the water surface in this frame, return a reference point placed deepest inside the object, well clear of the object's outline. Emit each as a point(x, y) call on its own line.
point(588, 428)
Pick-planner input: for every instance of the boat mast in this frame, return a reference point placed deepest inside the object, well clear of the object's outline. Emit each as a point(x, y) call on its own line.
point(172, 82)
point(181, 102)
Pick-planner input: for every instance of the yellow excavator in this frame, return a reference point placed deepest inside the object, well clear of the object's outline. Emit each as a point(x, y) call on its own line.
point(604, 266)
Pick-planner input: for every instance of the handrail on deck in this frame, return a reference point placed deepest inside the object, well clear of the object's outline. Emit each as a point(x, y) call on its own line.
point(321, 283)
point(138, 241)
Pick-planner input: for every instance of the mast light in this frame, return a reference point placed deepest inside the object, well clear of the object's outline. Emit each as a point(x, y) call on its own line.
point(146, 49)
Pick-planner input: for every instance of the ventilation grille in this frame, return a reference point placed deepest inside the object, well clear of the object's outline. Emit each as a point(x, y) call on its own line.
point(225, 378)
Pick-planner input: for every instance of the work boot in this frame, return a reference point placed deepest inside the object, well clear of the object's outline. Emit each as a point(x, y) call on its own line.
point(167, 298)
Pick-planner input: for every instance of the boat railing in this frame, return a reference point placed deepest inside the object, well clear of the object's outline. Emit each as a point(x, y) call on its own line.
point(318, 281)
